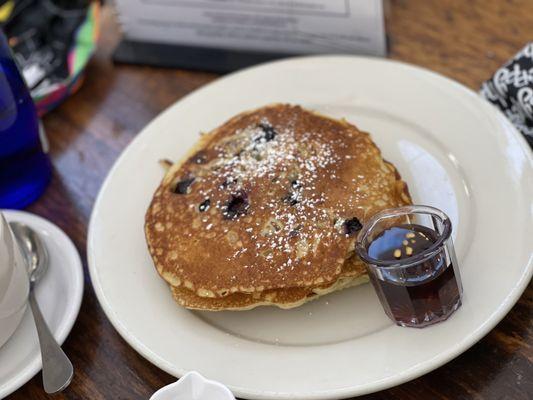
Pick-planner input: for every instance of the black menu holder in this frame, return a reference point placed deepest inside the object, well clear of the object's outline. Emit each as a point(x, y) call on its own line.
point(189, 57)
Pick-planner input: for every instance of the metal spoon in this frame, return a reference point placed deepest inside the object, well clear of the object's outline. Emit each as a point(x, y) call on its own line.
point(57, 368)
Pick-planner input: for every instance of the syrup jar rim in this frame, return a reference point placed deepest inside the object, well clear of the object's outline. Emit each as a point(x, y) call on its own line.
point(361, 248)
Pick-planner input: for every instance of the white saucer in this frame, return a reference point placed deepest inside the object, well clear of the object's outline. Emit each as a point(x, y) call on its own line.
point(59, 294)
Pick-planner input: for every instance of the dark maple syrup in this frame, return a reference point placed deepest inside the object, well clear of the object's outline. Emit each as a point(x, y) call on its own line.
point(419, 294)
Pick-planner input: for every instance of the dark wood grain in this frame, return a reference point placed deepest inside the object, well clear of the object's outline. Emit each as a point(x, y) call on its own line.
point(465, 40)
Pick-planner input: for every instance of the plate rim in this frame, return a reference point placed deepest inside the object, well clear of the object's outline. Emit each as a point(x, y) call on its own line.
point(495, 317)
point(67, 322)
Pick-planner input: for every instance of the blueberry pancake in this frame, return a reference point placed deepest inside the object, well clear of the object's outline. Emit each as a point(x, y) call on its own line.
point(266, 208)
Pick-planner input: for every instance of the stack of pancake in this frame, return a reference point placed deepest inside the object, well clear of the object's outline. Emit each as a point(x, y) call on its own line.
point(266, 208)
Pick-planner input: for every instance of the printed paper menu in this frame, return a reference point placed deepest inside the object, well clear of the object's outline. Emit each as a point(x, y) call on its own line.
point(286, 26)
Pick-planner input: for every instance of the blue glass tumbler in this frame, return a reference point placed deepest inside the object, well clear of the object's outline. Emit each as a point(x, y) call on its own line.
point(25, 169)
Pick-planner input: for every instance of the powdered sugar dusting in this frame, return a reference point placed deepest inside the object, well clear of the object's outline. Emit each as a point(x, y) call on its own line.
point(287, 169)
point(270, 185)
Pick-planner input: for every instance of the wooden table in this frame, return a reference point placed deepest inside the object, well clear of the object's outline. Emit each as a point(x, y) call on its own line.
point(466, 41)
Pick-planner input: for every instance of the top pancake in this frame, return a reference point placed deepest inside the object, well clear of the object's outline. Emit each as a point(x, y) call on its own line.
point(271, 199)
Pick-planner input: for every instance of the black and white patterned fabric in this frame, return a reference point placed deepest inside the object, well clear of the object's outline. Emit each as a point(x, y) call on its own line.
point(511, 90)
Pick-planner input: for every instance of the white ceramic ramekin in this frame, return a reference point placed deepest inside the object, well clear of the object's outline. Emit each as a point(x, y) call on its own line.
point(193, 386)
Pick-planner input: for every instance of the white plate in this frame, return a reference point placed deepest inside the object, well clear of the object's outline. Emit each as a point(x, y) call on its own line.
point(455, 151)
point(59, 295)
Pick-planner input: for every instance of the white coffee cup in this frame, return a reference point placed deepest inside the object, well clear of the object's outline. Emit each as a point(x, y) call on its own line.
point(14, 283)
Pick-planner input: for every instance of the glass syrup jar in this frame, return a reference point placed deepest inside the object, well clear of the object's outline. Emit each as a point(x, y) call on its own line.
point(412, 264)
